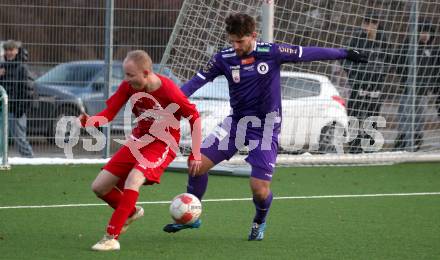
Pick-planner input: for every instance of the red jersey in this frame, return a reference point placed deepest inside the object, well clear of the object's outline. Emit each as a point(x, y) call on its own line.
point(153, 107)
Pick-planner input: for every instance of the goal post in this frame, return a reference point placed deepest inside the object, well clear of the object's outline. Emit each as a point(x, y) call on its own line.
point(4, 130)
point(267, 19)
point(400, 85)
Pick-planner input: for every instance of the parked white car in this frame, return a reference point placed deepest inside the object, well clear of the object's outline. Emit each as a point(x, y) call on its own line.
point(314, 114)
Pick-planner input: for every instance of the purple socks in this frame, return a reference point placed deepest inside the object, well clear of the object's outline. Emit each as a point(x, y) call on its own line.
point(197, 185)
point(262, 208)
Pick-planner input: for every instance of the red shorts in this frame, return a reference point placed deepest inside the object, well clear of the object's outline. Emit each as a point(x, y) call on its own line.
point(157, 154)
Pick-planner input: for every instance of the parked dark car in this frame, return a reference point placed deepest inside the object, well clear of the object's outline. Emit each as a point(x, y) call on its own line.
point(71, 87)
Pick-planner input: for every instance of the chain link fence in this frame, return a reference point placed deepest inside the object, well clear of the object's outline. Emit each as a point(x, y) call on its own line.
point(64, 46)
point(62, 57)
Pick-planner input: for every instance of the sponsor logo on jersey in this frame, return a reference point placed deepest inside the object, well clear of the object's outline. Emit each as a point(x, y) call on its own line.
point(263, 49)
point(262, 68)
point(157, 107)
point(236, 75)
point(228, 55)
point(227, 49)
point(208, 67)
point(249, 68)
point(236, 67)
point(247, 61)
point(287, 50)
point(149, 114)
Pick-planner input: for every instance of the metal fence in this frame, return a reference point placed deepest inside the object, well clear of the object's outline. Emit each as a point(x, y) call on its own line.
point(64, 48)
point(69, 45)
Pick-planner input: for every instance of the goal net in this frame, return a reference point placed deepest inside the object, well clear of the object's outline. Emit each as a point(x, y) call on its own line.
point(334, 112)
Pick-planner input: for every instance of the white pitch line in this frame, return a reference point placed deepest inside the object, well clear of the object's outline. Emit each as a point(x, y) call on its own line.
point(238, 199)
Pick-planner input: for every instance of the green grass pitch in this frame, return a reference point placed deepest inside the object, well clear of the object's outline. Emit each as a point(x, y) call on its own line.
point(310, 222)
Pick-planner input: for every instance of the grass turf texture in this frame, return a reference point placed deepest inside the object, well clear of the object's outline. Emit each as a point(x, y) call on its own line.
point(404, 227)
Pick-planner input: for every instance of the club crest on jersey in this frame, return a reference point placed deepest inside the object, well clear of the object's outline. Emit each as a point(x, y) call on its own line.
point(262, 68)
point(236, 76)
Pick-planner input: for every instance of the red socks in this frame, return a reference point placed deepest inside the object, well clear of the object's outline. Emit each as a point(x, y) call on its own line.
point(112, 198)
point(125, 208)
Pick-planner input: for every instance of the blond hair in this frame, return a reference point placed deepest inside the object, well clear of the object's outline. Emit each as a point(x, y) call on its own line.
point(140, 58)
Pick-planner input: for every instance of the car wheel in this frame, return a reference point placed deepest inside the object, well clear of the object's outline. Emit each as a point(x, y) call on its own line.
point(60, 113)
point(328, 140)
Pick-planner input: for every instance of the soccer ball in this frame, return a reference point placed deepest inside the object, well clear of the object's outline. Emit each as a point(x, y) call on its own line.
point(185, 208)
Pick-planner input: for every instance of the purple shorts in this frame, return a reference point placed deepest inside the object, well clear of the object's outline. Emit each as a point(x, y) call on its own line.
point(231, 135)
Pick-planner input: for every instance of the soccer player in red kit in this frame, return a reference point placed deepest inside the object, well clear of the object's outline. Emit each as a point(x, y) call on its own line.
point(158, 105)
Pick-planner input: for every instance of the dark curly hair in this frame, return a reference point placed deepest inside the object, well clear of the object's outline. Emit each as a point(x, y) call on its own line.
point(240, 24)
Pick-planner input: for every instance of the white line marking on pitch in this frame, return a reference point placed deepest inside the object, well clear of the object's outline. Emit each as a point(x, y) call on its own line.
point(238, 199)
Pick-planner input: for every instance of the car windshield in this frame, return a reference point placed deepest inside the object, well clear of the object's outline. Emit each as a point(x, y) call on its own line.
point(216, 90)
point(71, 74)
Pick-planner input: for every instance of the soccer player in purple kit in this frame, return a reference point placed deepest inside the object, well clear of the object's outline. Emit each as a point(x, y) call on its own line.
point(252, 69)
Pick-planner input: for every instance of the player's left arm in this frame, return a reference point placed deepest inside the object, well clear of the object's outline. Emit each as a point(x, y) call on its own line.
point(295, 53)
point(188, 110)
point(208, 73)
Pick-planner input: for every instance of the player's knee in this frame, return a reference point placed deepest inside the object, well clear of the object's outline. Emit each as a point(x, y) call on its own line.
point(134, 184)
point(98, 189)
point(260, 194)
point(260, 188)
point(135, 180)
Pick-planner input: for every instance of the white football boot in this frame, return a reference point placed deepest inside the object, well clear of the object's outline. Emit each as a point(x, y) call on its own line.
point(107, 243)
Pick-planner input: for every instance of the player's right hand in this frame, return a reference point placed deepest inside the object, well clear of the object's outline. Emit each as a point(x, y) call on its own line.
point(83, 118)
point(194, 167)
point(357, 56)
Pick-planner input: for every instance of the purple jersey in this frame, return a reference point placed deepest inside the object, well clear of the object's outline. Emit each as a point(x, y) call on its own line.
point(254, 79)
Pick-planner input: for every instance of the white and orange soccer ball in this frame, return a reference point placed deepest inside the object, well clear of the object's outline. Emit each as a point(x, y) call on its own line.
point(185, 208)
